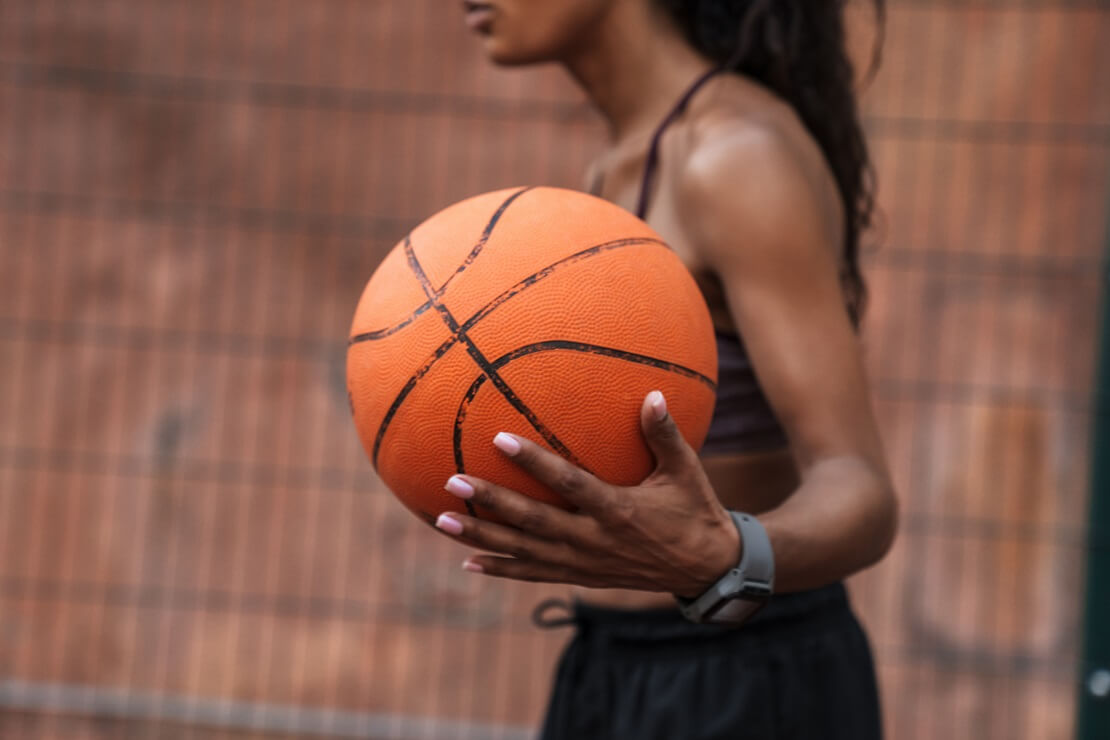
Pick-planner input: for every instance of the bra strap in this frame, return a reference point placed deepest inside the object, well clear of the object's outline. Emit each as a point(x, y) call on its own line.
point(651, 164)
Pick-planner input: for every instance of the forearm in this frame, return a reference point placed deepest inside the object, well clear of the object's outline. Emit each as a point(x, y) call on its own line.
point(840, 520)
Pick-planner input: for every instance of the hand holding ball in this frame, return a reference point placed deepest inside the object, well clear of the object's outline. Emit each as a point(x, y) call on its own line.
point(542, 312)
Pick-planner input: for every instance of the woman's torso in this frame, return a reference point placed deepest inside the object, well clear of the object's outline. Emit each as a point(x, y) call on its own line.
point(748, 477)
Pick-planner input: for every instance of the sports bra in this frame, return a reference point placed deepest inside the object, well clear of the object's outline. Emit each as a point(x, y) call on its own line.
point(742, 418)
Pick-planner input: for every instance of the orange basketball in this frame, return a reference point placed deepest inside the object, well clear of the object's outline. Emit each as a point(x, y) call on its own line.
point(542, 312)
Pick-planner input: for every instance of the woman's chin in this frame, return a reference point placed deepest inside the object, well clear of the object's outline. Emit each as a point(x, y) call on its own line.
point(504, 55)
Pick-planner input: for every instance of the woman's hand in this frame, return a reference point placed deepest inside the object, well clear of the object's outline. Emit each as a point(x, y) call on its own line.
point(669, 534)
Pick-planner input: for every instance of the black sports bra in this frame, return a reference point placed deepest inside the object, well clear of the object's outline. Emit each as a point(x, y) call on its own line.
point(742, 418)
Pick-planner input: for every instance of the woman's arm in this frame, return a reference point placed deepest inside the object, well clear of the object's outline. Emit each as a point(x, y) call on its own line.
point(757, 218)
point(770, 228)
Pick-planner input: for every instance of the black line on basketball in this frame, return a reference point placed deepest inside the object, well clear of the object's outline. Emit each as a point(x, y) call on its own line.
point(597, 349)
point(560, 345)
point(546, 272)
point(456, 436)
point(440, 351)
point(460, 418)
point(514, 290)
point(485, 310)
point(476, 354)
point(370, 336)
point(486, 233)
point(523, 284)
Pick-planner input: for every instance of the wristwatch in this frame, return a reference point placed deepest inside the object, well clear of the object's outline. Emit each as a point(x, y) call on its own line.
point(742, 591)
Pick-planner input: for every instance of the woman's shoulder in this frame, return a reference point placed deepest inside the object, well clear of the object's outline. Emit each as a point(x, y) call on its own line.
point(749, 162)
point(744, 130)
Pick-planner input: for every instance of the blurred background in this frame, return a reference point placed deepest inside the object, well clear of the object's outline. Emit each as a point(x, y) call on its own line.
point(192, 196)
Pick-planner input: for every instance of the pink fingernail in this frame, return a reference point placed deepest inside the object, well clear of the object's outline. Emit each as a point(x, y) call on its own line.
point(658, 405)
point(472, 567)
point(459, 487)
point(506, 443)
point(449, 524)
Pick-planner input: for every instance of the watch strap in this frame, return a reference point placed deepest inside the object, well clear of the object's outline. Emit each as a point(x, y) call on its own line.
point(757, 562)
point(743, 589)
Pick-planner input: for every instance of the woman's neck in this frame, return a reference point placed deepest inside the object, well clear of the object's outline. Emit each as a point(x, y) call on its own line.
point(633, 67)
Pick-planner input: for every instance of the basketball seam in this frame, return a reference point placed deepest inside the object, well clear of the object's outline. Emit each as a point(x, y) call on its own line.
point(563, 345)
point(568, 345)
point(474, 252)
point(525, 283)
point(484, 311)
point(483, 363)
point(404, 392)
point(486, 232)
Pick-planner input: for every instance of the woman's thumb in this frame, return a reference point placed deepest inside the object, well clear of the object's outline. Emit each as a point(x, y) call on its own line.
point(662, 434)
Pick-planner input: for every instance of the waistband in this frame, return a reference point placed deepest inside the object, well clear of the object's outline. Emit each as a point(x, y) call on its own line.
point(802, 612)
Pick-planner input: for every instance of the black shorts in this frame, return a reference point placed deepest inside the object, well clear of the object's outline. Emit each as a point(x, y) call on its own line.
point(800, 668)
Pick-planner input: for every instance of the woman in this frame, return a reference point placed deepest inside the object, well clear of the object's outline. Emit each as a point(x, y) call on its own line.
point(733, 133)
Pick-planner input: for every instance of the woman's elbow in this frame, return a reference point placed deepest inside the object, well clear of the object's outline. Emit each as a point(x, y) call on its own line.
point(882, 520)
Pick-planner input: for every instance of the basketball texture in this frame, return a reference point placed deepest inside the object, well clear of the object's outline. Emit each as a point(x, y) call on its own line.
point(543, 312)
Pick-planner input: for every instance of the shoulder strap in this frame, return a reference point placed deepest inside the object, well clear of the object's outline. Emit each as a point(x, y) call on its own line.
point(651, 163)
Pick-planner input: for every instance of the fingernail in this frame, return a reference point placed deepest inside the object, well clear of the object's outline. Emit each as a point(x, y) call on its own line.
point(506, 443)
point(449, 524)
point(459, 487)
point(472, 567)
point(658, 405)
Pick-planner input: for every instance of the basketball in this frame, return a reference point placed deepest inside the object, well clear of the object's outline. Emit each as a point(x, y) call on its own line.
point(543, 312)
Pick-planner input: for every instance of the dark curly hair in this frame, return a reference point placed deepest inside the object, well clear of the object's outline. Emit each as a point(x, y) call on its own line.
point(796, 48)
